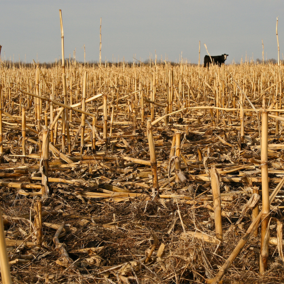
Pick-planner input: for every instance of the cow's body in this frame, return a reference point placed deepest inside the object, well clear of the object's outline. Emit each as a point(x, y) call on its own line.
point(220, 59)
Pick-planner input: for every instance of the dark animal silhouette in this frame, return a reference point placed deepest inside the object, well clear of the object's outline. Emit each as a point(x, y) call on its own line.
point(220, 59)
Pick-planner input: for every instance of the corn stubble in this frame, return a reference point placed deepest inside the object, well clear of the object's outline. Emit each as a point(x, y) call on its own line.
point(186, 146)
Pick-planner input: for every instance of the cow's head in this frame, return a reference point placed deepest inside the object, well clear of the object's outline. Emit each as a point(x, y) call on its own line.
point(225, 56)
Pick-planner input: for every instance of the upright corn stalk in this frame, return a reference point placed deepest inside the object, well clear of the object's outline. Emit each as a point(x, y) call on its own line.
point(153, 160)
point(38, 222)
point(170, 94)
point(37, 106)
point(134, 122)
point(216, 202)
point(242, 117)
point(265, 193)
point(23, 134)
point(71, 100)
point(111, 121)
point(280, 89)
point(177, 159)
point(68, 137)
point(166, 119)
point(153, 97)
point(5, 266)
point(141, 103)
point(84, 109)
point(94, 134)
point(100, 42)
point(217, 97)
point(280, 81)
point(51, 111)
point(277, 41)
point(1, 131)
point(64, 115)
point(277, 113)
point(44, 163)
point(208, 53)
point(105, 119)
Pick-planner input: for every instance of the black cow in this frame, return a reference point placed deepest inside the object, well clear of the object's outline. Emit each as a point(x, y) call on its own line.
point(220, 59)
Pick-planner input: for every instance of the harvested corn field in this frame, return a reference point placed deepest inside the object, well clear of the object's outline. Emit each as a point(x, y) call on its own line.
point(142, 173)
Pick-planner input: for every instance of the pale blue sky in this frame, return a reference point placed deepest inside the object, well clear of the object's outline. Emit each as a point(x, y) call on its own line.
point(31, 28)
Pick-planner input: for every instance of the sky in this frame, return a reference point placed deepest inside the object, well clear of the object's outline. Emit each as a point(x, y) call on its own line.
point(30, 29)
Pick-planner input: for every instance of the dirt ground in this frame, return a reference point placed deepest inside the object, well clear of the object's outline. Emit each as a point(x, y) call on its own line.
point(104, 221)
point(108, 239)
